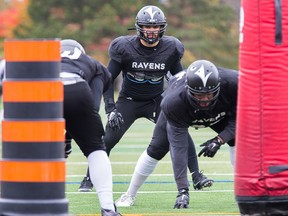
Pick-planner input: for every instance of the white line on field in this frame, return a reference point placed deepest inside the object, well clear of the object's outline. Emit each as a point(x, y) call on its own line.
point(161, 162)
point(129, 175)
point(163, 192)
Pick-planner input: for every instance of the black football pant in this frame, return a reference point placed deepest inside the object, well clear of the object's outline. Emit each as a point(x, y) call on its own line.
point(83, 121)
point(160, 141)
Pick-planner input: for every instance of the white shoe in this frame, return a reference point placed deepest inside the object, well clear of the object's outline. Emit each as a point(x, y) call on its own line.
point(125, 200)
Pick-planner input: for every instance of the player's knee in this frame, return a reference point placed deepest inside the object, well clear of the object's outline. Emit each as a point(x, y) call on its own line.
point(156, 154)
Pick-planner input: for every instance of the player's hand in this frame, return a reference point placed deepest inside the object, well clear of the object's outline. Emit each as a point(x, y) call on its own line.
point(211, 147)
point(115, 120)
point(182, 199)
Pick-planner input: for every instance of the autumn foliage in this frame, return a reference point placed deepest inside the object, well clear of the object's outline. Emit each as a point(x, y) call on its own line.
point(11, 15)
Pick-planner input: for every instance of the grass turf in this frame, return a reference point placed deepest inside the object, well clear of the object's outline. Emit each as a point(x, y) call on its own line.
point(157, 195)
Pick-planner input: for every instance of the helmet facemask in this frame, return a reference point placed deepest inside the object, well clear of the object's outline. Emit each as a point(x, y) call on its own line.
point(146, 34)
point(205, 100)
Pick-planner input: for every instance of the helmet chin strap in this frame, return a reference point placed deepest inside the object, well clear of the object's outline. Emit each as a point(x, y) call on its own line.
point(153, 41)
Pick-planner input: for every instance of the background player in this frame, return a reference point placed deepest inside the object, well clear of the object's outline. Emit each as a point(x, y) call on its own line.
point(144, 59)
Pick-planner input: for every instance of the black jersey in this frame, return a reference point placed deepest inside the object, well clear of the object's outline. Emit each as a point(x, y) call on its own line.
point(86, 67)
point(182, 114)
point(143, 67)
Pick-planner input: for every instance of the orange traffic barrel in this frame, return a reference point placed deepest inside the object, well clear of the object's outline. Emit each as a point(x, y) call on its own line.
point(33, 168)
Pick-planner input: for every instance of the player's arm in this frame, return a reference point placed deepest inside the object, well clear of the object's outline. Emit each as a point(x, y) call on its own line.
point(114, 68)
point(179, 52)
point(115, 119)
point(229, 131)
point(211, 146)
point(177, 67)
point(231, 93)
point(100, 83)
point(97, 86)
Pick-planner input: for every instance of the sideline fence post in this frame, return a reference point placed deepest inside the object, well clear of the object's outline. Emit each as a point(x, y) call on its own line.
point(33, 167)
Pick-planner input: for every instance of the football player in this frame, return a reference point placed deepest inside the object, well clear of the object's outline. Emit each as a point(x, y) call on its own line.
point(81, 76)
point(144, 60)
point(201, 96)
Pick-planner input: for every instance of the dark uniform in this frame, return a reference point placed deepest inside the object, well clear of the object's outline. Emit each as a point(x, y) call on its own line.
point(82, 92)
point(84, 79)
point(143, 69)
point(178, 114)
point(144, 62)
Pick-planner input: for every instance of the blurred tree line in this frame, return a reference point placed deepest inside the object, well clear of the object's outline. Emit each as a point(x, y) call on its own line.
point(208, 28)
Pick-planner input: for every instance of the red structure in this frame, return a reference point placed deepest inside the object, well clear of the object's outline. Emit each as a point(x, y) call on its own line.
point(261, 172)
point(33, 168)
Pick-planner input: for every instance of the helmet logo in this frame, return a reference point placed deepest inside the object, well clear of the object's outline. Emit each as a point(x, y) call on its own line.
point(151, 13)
point(201, 73)
point(71, 54)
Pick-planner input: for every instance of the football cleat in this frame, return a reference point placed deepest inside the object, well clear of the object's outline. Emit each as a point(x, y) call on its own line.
point(106, 212)
point(200, 181)
point(86, 185)
point(125, 200)
point(182, 199)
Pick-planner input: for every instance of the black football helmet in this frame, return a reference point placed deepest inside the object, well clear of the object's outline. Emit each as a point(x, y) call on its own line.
point(150, 16)
point(69, 45)
point(202, 78)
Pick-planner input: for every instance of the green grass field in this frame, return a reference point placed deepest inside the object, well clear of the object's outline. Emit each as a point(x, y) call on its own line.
point(157, 195)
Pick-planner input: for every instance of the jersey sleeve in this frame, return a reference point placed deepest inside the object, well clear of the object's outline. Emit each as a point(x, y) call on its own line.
point(100, 82)
point(230, 80)
point(115, 50)
point(105, 76)
point(179, 52)
point(114, 69)
point(180, 47)
point(229, 131)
